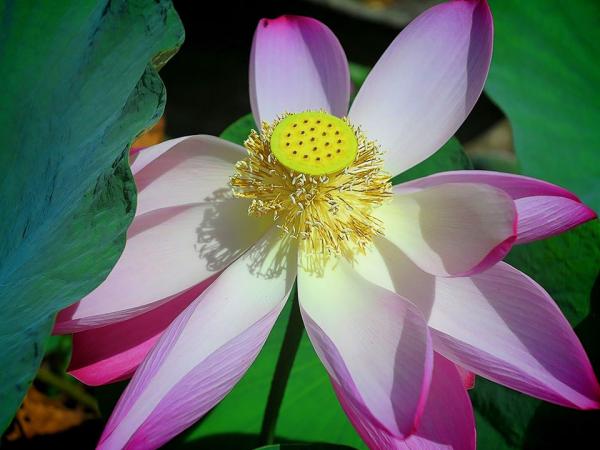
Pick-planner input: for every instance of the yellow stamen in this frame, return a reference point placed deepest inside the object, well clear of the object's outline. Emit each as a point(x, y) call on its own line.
point(329, 212)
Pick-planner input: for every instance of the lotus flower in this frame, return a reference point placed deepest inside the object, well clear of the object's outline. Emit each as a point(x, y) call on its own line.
point(402, 289)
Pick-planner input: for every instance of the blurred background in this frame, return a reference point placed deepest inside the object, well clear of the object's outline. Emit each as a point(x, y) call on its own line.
point(207, 90)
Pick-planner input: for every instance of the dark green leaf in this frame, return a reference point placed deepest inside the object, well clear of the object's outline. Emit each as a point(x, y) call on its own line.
point(545, 76)
point(77, 88)
point(239, 130)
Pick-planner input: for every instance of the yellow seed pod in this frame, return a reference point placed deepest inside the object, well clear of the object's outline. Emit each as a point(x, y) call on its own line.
point(314, 143)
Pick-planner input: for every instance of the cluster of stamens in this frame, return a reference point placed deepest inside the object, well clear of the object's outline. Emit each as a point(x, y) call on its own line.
point(328, 213)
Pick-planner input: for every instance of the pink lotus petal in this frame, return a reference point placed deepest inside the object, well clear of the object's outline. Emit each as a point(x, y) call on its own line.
point(374, 344)
point(542, 217)
point(502, 325)
point(113, 352)
point(297, 64)
point(167, 252)
point(194, 169)
point(499, 324)
point(452, 229)
point(205, 351)
point(187, 227)
point(447, 422)
point(427, 82)
point(543, 209)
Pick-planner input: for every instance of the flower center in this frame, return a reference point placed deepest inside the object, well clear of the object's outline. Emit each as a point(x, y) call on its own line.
point(318, 191)
point(314, 143)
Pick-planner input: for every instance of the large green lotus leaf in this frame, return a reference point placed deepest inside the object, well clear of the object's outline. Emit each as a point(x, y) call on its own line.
point(79, 82)
point(310, 411)
point(545, 77)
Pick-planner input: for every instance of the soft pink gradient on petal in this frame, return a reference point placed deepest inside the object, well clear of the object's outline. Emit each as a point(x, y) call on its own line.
point(499, 324)
point(502, 325)
point(167, 252)
point(187, 227)
point(195, 169)
point(447, 422)
point(205, 351)
point(374, 344)
point(426, 82)
point(297, 64)
point(210, 381)
point(113, 352)
point(388, 267)
point(542, 217)
point(543, 209)
point(454, 229)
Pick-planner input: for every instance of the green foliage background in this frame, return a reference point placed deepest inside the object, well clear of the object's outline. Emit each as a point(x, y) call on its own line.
point(69, 198)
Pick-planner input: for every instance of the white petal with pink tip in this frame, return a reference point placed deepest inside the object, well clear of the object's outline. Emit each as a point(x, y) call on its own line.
point(451, 229)
point(426, 83)
point(447, 422)
point(502, 325)
point(374, 344)
point(297, 64)
point(499, 324)
point(206, 350)
point(194, 169)
point(167, 252)
point(543, 209)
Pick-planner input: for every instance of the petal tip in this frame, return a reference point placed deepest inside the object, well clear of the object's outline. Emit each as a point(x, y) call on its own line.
point(265, 22)
point(63, 320)
point(590, 214)
point(592, 406)
point(297, 64)
point(589, 403)
point(587, 214)
point(594, 402)
point(284, 19)
point(93, 378)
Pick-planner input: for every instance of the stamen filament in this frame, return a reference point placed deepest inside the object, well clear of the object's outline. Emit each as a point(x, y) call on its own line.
point(329, 214)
